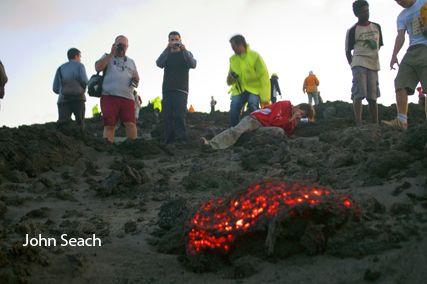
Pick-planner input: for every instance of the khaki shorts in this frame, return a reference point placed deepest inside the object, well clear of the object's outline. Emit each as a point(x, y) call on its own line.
point(413, 69)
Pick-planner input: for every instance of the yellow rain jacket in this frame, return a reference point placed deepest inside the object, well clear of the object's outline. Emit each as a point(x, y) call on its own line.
point(95, 110)
point(157, 103)
point(253, 75)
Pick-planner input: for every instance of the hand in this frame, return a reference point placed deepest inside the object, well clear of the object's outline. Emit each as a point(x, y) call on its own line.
point(170, 46)
point(230, 79)
point(135, 78)
point(303, 91)
point(296, 115)
point(394, 61)
point(182, 46)
point(265, 104)
point(113, 49)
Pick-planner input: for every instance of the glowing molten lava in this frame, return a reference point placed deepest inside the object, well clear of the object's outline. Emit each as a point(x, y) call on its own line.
point(220, 222)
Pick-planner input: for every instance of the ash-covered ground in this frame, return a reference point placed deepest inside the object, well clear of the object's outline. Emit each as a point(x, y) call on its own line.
point(138, 197)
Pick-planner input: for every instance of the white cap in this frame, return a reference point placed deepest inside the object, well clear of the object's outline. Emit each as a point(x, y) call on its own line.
point(311, 73)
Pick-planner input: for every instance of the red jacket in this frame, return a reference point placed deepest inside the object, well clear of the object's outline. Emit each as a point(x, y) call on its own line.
point(278, 114)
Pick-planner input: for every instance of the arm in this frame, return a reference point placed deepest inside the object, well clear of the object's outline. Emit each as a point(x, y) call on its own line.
point(102, 63)
point(349, 56)
point(3, 77)
point(400, 40)
point(161, 61)
point(56, 83)
point(304, 85)
point(191, 62)
point(317, 82)
point(262, 72)
point(278, 88)
point(83, 76)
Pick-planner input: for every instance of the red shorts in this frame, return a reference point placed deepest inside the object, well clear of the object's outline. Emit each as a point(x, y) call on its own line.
point(114, 107)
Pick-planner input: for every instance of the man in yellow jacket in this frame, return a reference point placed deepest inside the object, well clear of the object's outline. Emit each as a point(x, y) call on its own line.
point(157, 106)
point(248, 78)
point(310, 86)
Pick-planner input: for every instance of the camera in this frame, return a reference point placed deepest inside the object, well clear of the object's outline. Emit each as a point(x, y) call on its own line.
point(133, 84)
point(176, 43)
point(303, 120)
point(120, 47)
point(235, 76)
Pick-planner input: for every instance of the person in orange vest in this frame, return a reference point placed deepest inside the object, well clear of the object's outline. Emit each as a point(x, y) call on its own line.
point(191, 109)
point(310, 86)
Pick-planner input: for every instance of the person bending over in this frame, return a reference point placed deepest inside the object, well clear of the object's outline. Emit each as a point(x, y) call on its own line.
point(281, 115)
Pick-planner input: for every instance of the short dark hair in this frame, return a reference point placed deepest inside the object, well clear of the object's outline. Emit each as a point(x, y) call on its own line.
point(309, 110)
point(239, 39)
point(359, 4)
point(72, 53)
point(174, 33)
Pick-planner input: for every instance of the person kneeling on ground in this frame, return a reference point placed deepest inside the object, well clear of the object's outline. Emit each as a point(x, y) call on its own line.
point(281, 116)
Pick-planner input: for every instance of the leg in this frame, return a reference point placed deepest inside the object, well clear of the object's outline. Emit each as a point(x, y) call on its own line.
point(109, 132)
point(357, 106)
point(229, 136)
point(315, 98)
point(310, 97)
point(402, 101)
point(79, 109)
point(235, 107)
point(253, 102)
point(180, 115)
point(64, 112)
point(273, 100)
point(131, 131)
point(167, 110)
point(373, 110)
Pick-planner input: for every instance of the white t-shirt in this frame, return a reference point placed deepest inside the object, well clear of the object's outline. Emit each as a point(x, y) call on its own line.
point(409, 20)
point(117, 81)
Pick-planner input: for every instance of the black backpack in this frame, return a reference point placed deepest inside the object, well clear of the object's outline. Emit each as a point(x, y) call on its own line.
point(94, 86)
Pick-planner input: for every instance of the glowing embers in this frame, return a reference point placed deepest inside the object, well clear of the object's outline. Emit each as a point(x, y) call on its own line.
point(220, 222)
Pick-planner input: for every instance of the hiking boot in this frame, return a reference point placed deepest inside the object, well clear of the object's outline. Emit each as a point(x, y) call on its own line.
point(395, 122)
point(202, 143)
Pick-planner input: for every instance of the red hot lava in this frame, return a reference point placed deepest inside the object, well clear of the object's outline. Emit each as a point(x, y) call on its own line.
point(217, 225)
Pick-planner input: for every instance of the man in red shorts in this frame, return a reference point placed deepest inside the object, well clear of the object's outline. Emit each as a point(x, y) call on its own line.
point(117, 100)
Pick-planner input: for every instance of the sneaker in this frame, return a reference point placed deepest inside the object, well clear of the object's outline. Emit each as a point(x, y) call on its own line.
point(202, 143)
point(395, 122)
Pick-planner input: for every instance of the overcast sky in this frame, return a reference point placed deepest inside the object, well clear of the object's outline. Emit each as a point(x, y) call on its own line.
point(293, 37)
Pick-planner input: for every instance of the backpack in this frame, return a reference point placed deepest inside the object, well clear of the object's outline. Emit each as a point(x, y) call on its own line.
point(71, 88)
point(94, 86)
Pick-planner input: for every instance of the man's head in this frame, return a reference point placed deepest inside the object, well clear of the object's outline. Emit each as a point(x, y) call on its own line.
point(238, 44)
point(361, 10)
point(310, 73)
point(275, 75)
point(74, 54)
point(307, 111)
point(122, 44)
point(406, 3)
point(175, 38)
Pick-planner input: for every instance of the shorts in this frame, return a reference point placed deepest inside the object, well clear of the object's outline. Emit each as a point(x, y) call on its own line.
point(114, 107)
point(413, 69)
point(365, 83)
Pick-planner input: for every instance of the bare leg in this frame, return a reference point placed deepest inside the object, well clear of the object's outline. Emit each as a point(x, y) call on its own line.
point(373, 110)
point(109, 132)
point(130, 129)
point(357, 106)
point(402, 101)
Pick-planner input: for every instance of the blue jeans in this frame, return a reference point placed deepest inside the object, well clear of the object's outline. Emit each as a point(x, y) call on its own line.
point(313, 95)
point(237, 102)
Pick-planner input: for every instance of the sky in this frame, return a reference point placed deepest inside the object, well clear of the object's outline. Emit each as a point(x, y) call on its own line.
point(293, 37)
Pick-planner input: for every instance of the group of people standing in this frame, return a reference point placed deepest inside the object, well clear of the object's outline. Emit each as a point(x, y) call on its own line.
point(249, 80)
point(365, 40)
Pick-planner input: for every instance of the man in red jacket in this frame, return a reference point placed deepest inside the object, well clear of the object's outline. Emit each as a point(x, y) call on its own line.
point(281, 114)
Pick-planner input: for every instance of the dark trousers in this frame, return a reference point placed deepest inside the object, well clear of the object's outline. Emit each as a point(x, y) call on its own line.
point(273, 100)
point(174, 111)
point(212, 109)
point(76, 107)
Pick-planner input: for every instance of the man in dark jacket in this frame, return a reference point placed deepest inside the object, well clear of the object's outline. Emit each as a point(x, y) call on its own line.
point(275, 88)
point(3, 80)
point(176, 61)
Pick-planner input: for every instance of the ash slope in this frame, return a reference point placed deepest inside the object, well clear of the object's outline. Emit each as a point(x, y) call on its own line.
point(133, 194)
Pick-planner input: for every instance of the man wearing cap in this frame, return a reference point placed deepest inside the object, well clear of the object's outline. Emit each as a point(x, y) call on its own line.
point(274, 88)
point(310, 86)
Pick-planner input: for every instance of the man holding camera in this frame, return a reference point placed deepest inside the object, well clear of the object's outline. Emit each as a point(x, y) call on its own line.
point(249, 79)
point(74, 104)
point(176, 61)
point(120, 80)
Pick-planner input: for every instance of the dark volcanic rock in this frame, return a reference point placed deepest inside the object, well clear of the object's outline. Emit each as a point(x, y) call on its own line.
point(381, 163)
point(203, 179)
